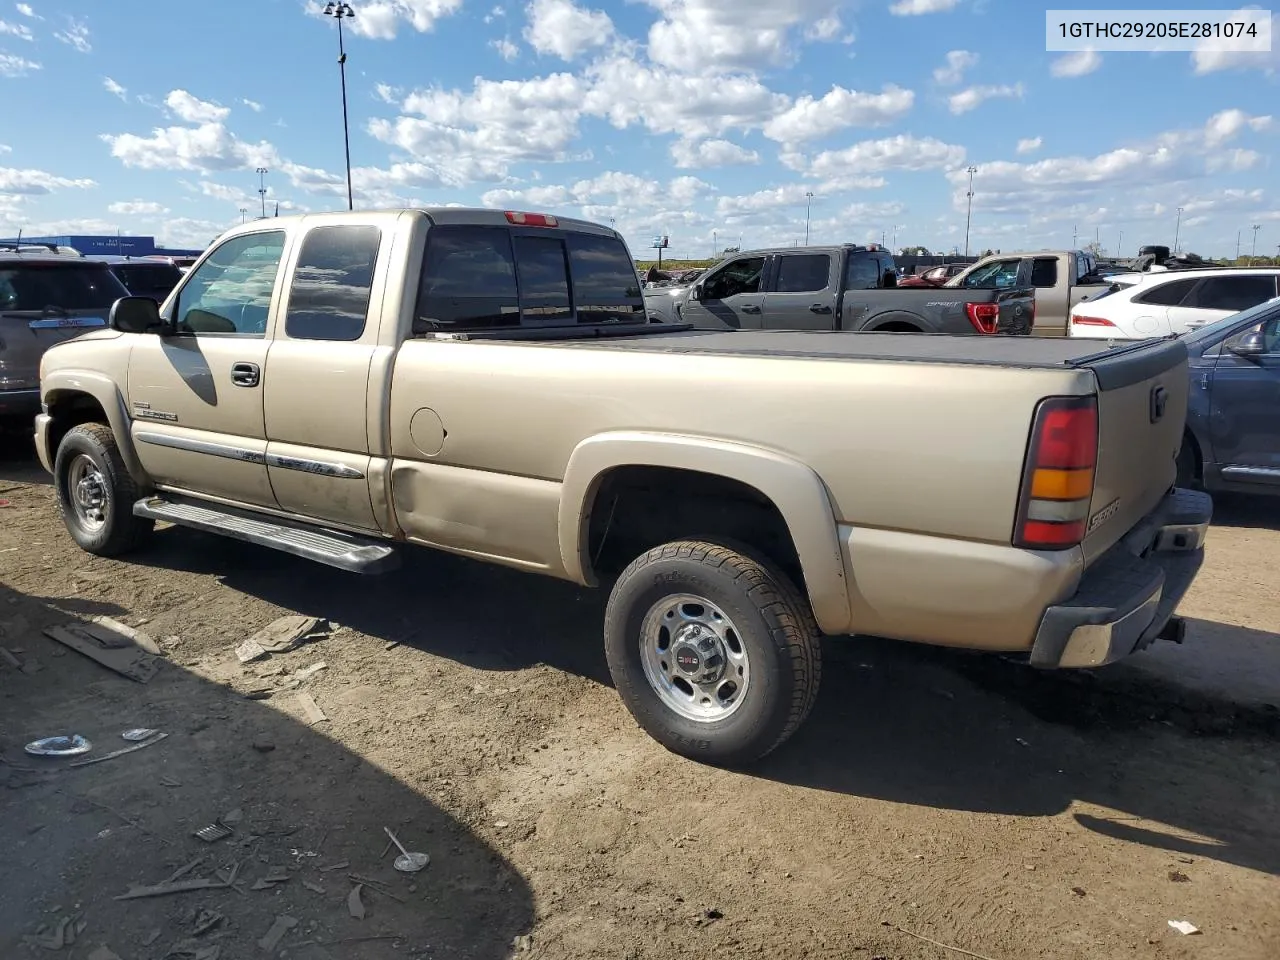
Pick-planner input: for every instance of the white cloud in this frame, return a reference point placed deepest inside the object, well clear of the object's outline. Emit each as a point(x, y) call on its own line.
point(19, 30)
point(194, 110)
point(913, 8)
point(380, 19)
point(253, 105)
point(507, 50)
point(689, 154)
point(958, 61)
point(1232, 161)
point(209, 146)
point(825, 29)
point(1210, 57)
point(712, 36)
point(1076, 64)
point(5, 148)
point(1029, 145)
point(903, 152)
point(387, 93)
point(14, 66)
point(26, 11)
point(137, 208)
point(31, 183)
point(791, 195)
point(115, 89)
point(563, 28)
point(189, 233)
point(808, 119)
point(973, 97)
point(1227, 124)
point(76, 35)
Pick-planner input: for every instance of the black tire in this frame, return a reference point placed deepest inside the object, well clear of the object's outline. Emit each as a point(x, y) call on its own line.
point(120, 531)
point(772, 622)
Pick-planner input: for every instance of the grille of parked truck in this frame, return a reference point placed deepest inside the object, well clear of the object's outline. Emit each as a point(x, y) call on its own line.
point(492, 387)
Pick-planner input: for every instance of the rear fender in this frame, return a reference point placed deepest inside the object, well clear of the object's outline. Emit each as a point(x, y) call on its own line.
point(794, 489)
point(60, 386)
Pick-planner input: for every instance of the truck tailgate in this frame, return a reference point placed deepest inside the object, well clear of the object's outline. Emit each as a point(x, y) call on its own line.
point(1142, 412)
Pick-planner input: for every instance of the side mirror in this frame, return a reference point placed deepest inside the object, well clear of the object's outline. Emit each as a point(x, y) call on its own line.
point(697, 292)
point(1249, 345)
point(135, 315)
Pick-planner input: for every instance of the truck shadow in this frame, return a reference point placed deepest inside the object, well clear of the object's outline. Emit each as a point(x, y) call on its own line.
point(304, 802)
point(895, 722)
point(18, 463)
point(1238, 510)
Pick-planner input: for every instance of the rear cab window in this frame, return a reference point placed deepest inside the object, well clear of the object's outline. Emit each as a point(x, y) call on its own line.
point(861, 272)
point(493, 277)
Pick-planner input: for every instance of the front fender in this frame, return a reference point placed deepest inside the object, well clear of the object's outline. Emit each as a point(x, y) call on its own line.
point(793, 487)
point(61, 385)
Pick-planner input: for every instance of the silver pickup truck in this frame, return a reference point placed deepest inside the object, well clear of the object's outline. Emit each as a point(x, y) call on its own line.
point(346, 386)
point(845, 287)
point(1060, 278)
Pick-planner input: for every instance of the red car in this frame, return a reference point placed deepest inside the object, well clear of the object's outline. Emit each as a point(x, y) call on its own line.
point(933, 277)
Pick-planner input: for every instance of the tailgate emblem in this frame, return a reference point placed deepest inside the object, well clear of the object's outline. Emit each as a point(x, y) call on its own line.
point(1159, 400)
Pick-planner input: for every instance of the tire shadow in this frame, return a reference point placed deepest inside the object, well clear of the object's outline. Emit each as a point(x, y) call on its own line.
point(298, 803)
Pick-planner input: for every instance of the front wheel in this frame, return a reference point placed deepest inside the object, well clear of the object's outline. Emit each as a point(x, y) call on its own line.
point(96, 494)
point(715, 653)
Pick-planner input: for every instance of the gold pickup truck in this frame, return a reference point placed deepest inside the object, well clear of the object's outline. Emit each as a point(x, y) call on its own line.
point(341, 386)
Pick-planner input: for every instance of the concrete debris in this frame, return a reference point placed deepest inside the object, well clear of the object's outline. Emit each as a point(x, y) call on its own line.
point(117, 652)
point(310, 709)
point(1184, 927)
point(281, 636)
point(283, 924)
point(355, 906)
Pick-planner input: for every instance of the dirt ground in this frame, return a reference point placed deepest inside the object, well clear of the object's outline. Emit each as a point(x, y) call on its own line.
point(963, 799)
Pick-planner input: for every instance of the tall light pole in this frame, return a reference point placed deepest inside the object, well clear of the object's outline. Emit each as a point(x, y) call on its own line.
point(1237, 244)
point(340, 11)
point(808, 205)
point(715, 244)
point(243, 211)
point(1120, 245)
point(262, 188)
point(1177, 231)
point(1253, 255)
point(968, 217)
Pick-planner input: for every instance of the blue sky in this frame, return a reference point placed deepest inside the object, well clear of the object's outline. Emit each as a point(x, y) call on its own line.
point(706, 120)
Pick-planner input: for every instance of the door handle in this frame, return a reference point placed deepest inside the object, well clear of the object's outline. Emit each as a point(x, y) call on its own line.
point(750, 309)
point(245, 374)
point(819, 308)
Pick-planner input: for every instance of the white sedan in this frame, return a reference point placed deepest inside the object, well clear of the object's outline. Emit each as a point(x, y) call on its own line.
point(1174, 301)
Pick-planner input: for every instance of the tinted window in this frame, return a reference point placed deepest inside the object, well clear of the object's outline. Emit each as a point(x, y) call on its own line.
point(544, 278)
point(468, 280)
point(1044, 272)
point(738, 276)
point(74, 286)
point(861, 272)
point(1233, 293)
point(1166, 294)
point(231, 291)
point(153, 280)
point(329, 298)
point(803, 272)
point(605, 285)
point(888, 270)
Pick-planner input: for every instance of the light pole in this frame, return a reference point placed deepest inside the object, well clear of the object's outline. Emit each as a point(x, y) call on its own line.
point(339, 11)
point(715, 244)
point(262, 188)
point(243, 211)
point(1237, 244)
point(808, 205)
point(968, 217)
point(1254, 253)
point(1177, 231)
point(1120, 245)
point(895, 238)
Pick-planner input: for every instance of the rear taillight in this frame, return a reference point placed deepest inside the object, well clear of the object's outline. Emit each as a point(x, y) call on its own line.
point(985, 317)
point(532, 219)
point(1080, 321)
point(1057, 485)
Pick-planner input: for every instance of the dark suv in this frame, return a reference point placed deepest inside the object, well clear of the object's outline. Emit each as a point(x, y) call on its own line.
point(44, 299)
point(145, 278)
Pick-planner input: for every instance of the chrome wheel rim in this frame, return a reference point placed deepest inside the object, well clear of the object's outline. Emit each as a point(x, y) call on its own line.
point(87, 491)
point(694, 658)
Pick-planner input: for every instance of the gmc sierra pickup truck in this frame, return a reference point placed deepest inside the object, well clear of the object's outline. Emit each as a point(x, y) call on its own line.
point(342, 386)
point(1060, 279)
point(836, 288)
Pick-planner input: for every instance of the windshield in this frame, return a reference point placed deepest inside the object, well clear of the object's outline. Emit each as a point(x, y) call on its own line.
point(1211, 331)
point(68, 286)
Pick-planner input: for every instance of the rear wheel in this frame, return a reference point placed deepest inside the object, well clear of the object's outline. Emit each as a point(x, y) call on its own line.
point(96, 494)
point(715, 653)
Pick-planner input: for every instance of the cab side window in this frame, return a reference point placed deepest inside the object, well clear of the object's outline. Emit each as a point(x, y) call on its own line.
point(740, 276)
point(332, 283)
point(861, 272)
point(803, 272)
point(230, 293)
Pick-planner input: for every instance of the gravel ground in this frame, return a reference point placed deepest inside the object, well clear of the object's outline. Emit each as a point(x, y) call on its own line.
point(962, 799)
